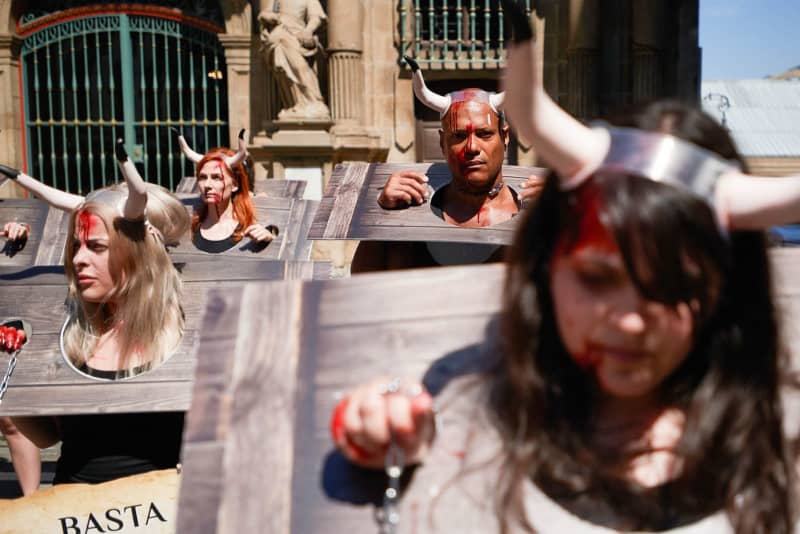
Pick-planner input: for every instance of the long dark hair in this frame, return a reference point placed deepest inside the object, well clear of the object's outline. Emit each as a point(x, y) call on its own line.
point(733, 452)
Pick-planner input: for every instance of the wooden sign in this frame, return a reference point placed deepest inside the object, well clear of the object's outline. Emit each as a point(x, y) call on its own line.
point(139, 503)
point(257, 454)
point(44, 384)
point(45, 245)
point(271, 188)
point(349, 209)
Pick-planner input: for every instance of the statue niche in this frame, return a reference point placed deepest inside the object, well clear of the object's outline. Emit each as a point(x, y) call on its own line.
point(290, 44)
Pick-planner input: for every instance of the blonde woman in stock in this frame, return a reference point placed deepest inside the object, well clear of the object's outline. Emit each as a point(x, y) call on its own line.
point(125, 318)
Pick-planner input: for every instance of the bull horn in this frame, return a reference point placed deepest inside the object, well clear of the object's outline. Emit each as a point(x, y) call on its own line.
point(497, 100)
point(237, 158)
point(54, 197)
point(570, 148)
point(190, 154)
point(433, 100)
point(137, 188)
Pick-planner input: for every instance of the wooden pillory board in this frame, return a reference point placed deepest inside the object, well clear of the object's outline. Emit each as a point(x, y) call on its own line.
point(45, 246)
point(257, 454)
point(44, 384)
point(271, 188)
point(349, 208)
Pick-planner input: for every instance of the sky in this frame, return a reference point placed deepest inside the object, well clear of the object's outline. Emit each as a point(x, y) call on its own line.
point(749, 38)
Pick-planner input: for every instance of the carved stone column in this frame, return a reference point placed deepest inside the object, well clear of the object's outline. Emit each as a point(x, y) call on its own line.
point(345, 49)
point(11, 152)
point(239, 59)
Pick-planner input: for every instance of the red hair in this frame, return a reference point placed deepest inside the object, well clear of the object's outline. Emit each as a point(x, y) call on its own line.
point(243, 210)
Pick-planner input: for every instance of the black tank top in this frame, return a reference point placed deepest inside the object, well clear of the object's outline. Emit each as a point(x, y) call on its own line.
point(99, 448)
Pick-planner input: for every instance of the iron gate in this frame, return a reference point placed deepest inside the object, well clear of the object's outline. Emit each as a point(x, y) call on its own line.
point(91, 79)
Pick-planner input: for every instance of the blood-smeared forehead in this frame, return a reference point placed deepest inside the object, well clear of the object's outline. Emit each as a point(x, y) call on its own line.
point(213, 166)
point(469, 115)
point(90, 226)
point(592, 233)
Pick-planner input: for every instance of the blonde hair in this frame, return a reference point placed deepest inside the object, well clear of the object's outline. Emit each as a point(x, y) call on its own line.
point(147, 288)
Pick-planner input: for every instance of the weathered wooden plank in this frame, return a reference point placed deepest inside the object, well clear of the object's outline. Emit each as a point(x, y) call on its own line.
point(96, 397)
point(270, 188)
point(42, 375)
point(344, 339)
point(205, 494)
point(54, 237)
point(242, 419)
point(281, 212)
point(45, 246)
point(349, 208)
point(406, 324)
point(296, 230)
point(32, 212)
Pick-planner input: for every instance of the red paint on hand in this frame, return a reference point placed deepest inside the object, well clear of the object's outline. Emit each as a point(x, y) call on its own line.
point(337, 430)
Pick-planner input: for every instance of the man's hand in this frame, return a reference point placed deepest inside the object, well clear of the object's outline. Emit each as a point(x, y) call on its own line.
point(369, 418)
point(259, 233)
point(16, 231)
point(531, 187)
point(403, 189)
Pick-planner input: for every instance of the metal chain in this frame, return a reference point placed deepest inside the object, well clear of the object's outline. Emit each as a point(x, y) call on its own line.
point(4, 384)
point(388, 517)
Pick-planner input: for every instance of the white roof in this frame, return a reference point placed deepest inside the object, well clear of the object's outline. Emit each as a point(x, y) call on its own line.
point(763, 117)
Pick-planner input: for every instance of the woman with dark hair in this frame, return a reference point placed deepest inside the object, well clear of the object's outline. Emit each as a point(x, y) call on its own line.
point(637, 380)
point(226, 213)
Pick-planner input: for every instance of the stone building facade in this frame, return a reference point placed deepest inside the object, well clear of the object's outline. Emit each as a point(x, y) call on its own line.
point(595, 58)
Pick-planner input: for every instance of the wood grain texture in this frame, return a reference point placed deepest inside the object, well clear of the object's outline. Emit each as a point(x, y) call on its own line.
point(334, 336)
point(43, 382)
point(349, 208)
point(291, 216)
point(409, 324)
point(249, 421)
point(271, 188)
point(32, 212)
point(45, 245)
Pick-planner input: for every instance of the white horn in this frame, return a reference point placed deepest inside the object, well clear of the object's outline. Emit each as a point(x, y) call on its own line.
point(190, 154)
point(433, 100)
point(137, 188)
point(571, 149)
point(497, 100)
point(745, 202)
point(240, 154)
point(54, 197)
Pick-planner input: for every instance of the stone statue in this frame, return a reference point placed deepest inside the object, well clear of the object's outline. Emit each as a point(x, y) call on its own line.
point(289, 44)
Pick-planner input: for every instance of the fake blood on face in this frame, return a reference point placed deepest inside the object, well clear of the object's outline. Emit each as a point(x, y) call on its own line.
point(592, 233)
point(86, 222)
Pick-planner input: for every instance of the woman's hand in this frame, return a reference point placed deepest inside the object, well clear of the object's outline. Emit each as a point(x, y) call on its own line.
point(16, 231)
point(403, 189)
point(261, 234)
point(369, 418)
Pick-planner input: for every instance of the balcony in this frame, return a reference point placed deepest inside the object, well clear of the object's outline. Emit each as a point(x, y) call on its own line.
point(454, 34)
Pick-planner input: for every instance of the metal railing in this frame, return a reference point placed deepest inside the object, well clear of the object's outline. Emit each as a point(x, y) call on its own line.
point(454, 34)
point(89, 80)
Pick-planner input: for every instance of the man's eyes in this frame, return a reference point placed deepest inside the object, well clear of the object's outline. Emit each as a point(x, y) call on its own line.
point(483, 134)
